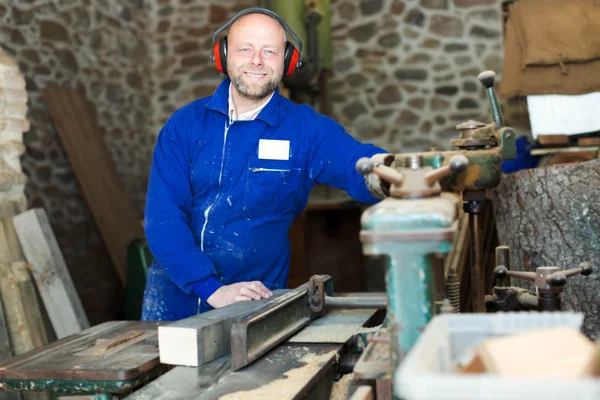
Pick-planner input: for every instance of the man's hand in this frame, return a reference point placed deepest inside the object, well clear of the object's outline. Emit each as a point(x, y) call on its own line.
point(379, 188)
point(241, 291)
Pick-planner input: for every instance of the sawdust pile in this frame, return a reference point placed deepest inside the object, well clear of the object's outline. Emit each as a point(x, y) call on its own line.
point(344, 388)
point(291, 382)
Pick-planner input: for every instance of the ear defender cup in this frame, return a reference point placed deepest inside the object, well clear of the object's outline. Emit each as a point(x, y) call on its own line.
point(290, 59)
point(220, 55)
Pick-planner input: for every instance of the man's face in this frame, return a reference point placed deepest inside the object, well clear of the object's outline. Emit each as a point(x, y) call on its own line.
point(255, 50)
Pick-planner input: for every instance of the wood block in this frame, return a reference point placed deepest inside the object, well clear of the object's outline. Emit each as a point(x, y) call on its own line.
point(50, 272)
point(560, 352)
point(588, 141)
point(553, 140)
point(75, 120)
point(205, 337)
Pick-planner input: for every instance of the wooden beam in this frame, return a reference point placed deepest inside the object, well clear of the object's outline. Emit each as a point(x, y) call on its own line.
point(75, 120)
point(205, 337)
point(50, 272)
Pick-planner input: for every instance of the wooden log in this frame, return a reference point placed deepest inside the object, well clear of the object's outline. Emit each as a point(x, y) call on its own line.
point(50, 273)
point(551, 217)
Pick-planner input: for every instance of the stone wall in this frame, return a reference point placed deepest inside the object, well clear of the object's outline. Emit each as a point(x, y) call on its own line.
point(99, 47)
point(405, 72)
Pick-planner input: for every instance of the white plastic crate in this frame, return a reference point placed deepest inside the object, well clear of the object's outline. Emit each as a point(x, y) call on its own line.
point(427, 374)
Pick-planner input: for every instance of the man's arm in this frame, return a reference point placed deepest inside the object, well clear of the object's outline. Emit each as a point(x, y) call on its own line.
point(333, 161)
point(168, 204)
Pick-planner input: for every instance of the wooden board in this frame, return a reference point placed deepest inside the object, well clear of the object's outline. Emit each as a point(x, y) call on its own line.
point(205, 337)
point(75, 121)
point(59, 360)
point(21, 307)
point(39, 330)
point(50, 272)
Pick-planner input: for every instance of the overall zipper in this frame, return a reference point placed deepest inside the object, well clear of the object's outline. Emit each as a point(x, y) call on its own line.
point(207, 211)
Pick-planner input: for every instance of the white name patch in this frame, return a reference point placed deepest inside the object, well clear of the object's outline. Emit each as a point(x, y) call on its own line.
point(269, 149)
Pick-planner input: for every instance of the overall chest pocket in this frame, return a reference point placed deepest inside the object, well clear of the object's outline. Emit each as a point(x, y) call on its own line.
point(272, 188)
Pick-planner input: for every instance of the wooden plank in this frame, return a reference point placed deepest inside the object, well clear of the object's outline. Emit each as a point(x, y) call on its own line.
point(94, 168)
point(22, 310)
point(50, 272)
point(205, 337)
point(38, 329)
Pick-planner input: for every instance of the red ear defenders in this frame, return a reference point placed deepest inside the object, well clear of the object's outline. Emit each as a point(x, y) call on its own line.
point(291, 57)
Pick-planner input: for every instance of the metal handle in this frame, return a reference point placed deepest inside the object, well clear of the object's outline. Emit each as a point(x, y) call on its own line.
point(366, 166)
point(457, 164)
point(487, 79)
point(502, 272)
point(559, 279)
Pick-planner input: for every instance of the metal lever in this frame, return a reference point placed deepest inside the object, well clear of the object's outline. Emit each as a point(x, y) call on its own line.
point(365, 166)
point(457, 164)
point(487, 79)
point(549, 281)
point(555, 278)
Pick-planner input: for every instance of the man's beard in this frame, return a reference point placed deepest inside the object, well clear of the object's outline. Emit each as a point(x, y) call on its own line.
point(254, 92)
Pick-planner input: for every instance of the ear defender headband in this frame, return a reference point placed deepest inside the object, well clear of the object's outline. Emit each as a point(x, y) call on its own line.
point(291, 58)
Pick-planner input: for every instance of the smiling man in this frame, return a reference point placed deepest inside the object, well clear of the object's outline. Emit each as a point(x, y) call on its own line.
point(232, 171)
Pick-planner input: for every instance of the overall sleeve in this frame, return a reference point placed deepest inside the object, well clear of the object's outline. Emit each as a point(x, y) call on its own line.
point(168, 204)
point(333, 159)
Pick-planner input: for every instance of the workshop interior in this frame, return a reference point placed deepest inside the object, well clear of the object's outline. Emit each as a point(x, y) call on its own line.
point(475, 278)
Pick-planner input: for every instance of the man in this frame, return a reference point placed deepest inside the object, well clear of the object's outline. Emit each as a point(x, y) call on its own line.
point(229, 175)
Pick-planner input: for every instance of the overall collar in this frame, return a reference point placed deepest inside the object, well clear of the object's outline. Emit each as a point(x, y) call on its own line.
point(220, 102)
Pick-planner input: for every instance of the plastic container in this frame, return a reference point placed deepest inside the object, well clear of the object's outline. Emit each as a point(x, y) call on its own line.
point(427, 371)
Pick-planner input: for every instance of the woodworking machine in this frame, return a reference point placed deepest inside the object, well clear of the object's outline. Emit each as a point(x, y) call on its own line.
point(294, 345)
